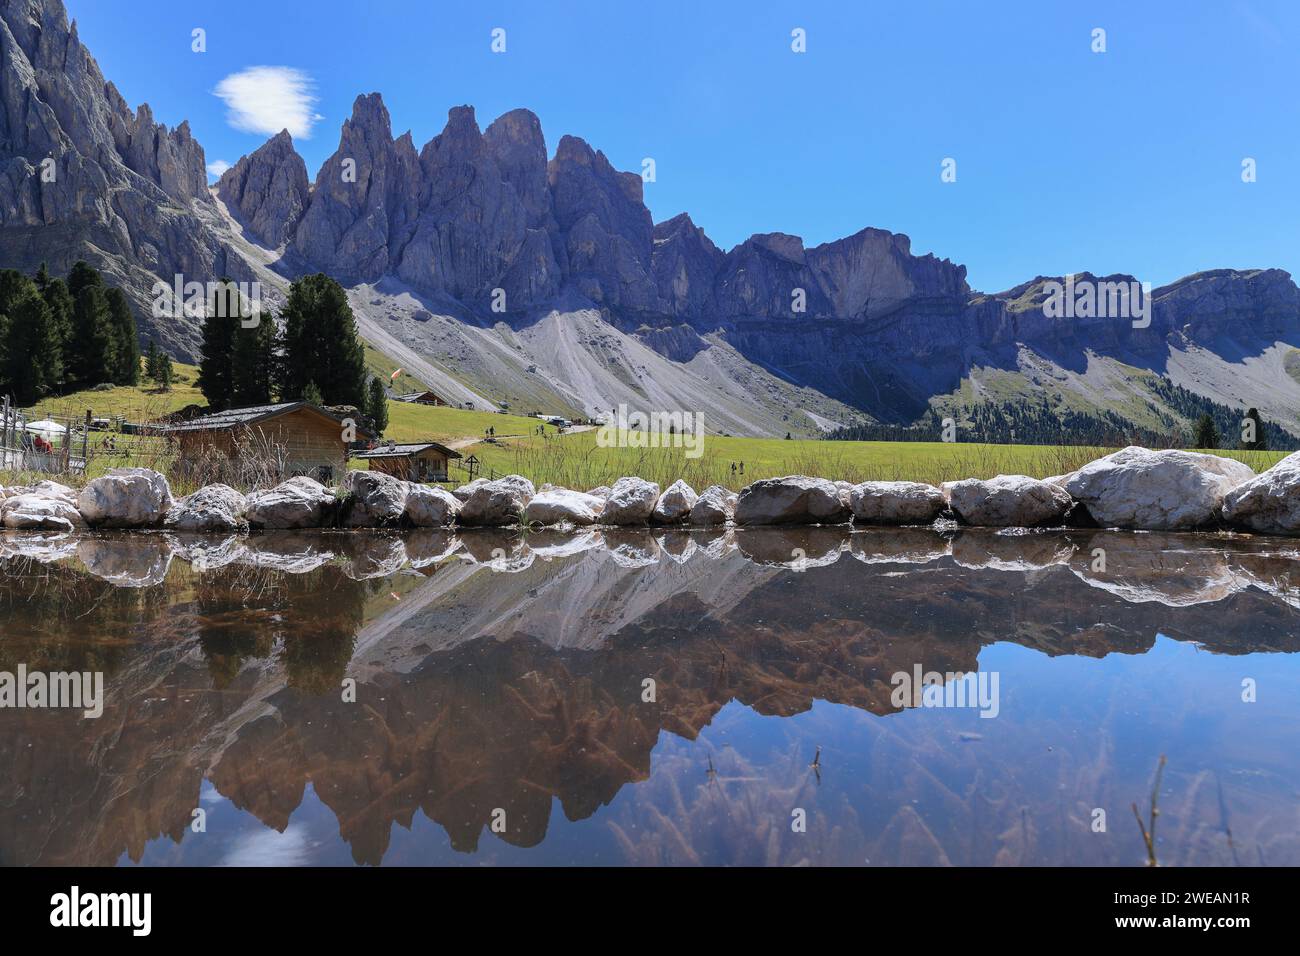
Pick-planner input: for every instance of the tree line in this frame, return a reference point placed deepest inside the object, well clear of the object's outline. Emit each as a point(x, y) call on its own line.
point(59, 335)
point(311, 352)
point(1214, 425)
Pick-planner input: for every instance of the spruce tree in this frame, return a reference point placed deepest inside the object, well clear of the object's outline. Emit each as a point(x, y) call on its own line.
point(165, 372)
point(217, 352)
point(311, 394)
point(82, 276)
point(254, 364)
point(377, 405)
point(126, 339)
point(151, 357)
point(320, 344)
point(1207, 433)
point(59, 299)
point(34, 363)
point(1261, 442)
point(92, 357)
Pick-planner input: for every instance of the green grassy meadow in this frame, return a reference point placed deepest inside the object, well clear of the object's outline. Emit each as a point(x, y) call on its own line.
point(576, 460)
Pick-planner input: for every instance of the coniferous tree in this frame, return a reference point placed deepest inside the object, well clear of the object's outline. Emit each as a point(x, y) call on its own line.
point(59, 299)
point(165, 372)
point(13, 285)
point(1260, 442)
point(92, 357)
point(217, 351)
point(33, 365)
point(253, 371)
point(377, 405)
point(151, 357)
point(126, 339)
point(1206, 434)
point(82, 275)
point(311, 394)
point(319, 344)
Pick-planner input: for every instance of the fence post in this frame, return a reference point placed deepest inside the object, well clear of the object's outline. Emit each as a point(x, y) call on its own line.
point(85, 446)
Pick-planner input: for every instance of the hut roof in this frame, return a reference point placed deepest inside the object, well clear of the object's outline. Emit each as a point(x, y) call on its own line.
point(253, 415)
point(403, 451)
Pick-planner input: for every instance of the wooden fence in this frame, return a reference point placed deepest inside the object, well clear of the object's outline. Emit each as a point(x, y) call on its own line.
point(68, 451)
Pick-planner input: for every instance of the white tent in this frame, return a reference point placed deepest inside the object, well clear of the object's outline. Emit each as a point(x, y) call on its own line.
point(46, 429)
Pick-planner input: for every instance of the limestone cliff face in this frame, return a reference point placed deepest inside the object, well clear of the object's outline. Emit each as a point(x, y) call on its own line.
point(268, 189)
point(82, 176)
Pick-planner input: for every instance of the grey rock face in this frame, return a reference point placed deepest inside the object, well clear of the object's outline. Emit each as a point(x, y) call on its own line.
point(762, 275)
point(686, 264)
point(268, 189)
point(473, 234)
point(365, 199)
point(607, 235)
point(125, 190)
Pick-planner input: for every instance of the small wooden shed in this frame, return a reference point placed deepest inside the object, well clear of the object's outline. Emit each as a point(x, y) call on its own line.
point(417, 461)
point(426, 397)
point(313, 442)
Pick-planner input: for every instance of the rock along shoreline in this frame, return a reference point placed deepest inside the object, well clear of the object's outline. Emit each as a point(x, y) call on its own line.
point(1134, 488)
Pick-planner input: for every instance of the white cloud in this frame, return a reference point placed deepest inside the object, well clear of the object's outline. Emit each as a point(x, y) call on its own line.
point(267, 99)
point(217, 167)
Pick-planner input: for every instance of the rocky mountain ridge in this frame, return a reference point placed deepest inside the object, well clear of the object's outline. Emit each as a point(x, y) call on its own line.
point(502, 273)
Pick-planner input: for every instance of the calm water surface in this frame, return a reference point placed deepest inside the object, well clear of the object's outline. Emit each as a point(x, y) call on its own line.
point(501, 684)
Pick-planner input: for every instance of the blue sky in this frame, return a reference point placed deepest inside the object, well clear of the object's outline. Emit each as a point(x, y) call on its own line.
point(1066, 160)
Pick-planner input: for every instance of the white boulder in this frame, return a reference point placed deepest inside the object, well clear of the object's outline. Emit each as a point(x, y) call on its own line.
point(34, 512)
point(675, 504)
point(1156, 490)
point(1007, 501)
point(631, 501)
point(377, 499)
point(428, 506)
point(55, 489)
point(126, 498)
point(297, 503)
point(896, 502)
point(1269, 502)
point(498, 502)
point(211, 508)
point(562, 506)
point(715, 505)
point(794, 499)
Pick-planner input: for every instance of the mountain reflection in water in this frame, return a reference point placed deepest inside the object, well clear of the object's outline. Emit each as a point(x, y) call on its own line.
point(502, 677)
